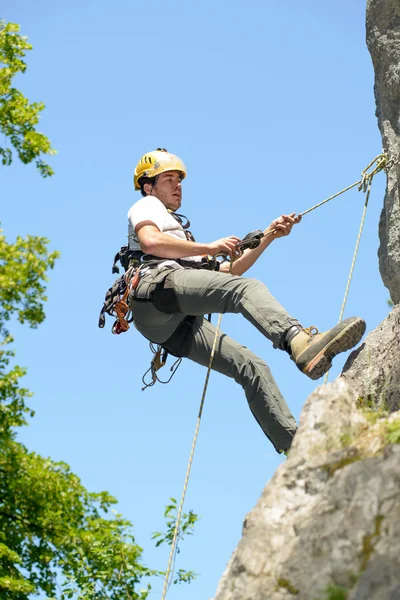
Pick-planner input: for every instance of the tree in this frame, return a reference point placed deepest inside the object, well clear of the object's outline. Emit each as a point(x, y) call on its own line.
point(18, 117)
point(53, 532)
point(55, 536)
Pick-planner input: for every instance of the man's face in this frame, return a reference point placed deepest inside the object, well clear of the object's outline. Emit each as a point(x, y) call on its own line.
point(168, 189)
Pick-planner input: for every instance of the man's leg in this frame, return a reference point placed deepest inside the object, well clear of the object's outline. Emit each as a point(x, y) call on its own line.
point(183, 292)
point(265, 400)
point(199, 292)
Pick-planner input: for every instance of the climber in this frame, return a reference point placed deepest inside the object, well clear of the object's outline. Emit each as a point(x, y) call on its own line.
point(178, 284)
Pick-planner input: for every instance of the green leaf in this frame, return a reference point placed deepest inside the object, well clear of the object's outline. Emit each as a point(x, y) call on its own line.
point(19, 117)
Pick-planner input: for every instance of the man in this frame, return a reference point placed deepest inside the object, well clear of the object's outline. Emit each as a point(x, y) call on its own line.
point(176, 289)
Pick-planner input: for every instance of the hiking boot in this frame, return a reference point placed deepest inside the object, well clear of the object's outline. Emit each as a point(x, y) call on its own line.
point(313, 352)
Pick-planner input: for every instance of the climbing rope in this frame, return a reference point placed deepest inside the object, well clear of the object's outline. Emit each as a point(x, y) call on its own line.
point(196, 433)
point(364, 185)
point(381, 162)
point(252, 242)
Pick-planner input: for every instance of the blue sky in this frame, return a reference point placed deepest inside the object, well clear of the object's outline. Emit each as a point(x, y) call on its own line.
point(270, 105)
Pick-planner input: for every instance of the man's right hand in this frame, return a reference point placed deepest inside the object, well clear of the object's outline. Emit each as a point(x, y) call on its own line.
point(223, 246)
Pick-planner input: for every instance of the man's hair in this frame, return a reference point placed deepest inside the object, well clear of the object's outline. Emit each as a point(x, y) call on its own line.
point(143, 180)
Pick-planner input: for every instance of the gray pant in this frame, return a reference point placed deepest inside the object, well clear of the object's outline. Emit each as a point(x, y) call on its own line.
point(199, 292)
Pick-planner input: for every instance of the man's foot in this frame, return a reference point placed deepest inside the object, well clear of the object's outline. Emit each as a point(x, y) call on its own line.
point(313, 352)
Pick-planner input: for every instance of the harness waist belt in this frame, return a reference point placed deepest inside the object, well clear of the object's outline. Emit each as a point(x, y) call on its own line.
point(205, 263)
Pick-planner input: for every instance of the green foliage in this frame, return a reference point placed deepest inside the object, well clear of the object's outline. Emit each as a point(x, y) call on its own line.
point(390, 428)
point(365, 402)
point(63, 537)
point(183, 576)
point(54, 525)
point(336, 592)
point(18, 117)
point(23, 267)
point(187, 523)
point(55, 536)
point(331, 468)
point(393, 432)
point(370, 540)
point(285, 583)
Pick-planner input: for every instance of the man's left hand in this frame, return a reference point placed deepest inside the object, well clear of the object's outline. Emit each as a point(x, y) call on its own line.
point(282, 226)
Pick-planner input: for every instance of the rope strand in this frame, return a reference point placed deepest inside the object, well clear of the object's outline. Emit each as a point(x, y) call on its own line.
point(196, 433)
point(353, 262)
point(382, 163)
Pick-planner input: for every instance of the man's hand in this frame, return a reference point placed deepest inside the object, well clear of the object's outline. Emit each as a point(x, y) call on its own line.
point(223, 246)
point(282, 225)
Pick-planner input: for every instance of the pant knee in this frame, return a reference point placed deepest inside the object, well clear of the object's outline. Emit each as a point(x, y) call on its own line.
point(250, 370)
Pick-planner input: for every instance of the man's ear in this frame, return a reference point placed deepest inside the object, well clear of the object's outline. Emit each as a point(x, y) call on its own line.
point(147, 188)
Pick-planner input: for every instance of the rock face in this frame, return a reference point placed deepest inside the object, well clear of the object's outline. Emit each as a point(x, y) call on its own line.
point(383, 40)
point(327, 526)
point(373, 370)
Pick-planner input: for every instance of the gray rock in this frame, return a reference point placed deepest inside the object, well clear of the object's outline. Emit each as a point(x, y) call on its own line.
point(376, 581)
point(383, 40)
point(372, 371)
point(329, 517)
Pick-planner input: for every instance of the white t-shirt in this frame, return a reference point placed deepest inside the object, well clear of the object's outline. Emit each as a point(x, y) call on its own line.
point(152, 209)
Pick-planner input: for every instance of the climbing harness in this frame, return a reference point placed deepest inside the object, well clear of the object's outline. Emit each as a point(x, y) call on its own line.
point(381, 162)
point(116, 302)
point(184, 223)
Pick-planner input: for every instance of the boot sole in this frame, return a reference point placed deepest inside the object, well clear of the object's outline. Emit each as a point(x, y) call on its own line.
point(345, 340)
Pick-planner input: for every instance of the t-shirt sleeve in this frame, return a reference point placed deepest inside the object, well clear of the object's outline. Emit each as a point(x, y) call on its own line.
point(147, 209)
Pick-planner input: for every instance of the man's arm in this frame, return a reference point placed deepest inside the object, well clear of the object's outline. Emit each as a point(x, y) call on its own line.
point(153, 241)
point(278, 228)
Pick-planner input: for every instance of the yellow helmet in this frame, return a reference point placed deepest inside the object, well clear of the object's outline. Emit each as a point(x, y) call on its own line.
point(156, 162)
